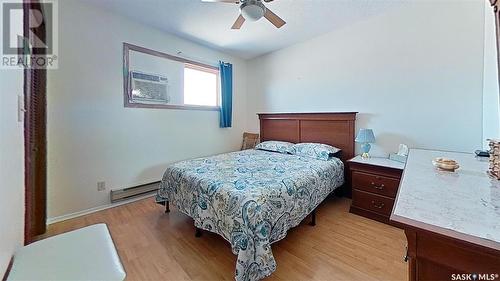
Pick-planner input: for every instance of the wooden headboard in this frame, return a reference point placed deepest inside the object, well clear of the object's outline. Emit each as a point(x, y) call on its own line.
point(333, 128)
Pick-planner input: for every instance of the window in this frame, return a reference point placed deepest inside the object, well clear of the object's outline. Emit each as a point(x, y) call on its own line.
point(153, 79)
point(201, 85)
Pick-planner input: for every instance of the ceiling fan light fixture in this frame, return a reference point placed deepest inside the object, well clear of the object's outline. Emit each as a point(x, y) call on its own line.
point(252, 10)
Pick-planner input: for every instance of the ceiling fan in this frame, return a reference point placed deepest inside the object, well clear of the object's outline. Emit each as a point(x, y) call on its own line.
point(252, 10)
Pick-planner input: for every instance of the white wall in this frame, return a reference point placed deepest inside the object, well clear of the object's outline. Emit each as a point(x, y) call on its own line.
point(491, 102)
point(414, 75)
point(92, 137)
point(11, 165)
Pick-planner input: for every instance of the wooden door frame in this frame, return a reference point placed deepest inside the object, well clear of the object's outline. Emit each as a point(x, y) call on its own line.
point(35, 139)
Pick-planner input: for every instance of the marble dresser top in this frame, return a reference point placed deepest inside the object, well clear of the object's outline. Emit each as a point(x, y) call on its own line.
point(379, 161)
point(464, 204)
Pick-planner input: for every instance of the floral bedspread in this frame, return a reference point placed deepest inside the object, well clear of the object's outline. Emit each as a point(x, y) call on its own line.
point(251, 198)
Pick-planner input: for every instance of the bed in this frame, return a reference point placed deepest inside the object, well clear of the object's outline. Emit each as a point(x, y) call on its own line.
point(253, 197)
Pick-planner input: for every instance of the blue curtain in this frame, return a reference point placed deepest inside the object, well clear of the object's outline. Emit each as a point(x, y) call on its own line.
point(226, 108)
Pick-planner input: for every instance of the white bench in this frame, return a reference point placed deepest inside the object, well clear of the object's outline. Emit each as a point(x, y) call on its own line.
point(83, 254)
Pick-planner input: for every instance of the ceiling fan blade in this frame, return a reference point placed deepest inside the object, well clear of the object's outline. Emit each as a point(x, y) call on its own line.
point(267, 1)
point(238, 23)
point(222, 1)
point(274, 19)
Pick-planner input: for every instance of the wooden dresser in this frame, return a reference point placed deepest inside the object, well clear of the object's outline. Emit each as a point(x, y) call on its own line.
point(451, 219)
point(375, 183)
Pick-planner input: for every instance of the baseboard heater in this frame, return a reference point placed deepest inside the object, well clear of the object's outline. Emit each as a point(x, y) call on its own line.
point(132, 192)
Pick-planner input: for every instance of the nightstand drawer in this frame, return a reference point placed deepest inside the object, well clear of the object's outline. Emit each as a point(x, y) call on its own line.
point(372, 202)
point(374, 183)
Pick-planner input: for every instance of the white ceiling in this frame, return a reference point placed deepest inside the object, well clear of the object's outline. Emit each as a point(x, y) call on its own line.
point(210, 23)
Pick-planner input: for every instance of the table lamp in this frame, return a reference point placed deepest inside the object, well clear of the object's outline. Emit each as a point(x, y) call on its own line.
point(365, 137)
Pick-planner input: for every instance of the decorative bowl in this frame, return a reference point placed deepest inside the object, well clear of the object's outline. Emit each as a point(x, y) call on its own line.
point(445, 164)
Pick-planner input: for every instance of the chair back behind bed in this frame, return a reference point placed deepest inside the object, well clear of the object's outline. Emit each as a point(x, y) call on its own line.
point(249, 140)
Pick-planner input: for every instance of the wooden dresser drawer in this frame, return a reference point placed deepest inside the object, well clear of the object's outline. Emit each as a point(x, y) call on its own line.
point(375, 183)
point(378, 204)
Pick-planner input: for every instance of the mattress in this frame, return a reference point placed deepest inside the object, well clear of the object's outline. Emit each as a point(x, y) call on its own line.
point(251, 198)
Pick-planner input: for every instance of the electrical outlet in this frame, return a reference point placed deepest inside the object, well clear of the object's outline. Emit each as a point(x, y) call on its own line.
point(101, 186)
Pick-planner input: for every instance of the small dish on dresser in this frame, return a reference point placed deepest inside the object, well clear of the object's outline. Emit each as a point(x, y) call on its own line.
point(445, 164)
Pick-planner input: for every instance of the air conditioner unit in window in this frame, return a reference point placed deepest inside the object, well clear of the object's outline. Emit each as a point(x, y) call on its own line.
point(148, 88)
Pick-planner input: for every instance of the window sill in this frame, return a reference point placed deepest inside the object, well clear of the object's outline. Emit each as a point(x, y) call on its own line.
point(172, 106)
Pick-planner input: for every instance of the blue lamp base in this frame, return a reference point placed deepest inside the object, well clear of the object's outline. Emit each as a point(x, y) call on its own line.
point(365, 147)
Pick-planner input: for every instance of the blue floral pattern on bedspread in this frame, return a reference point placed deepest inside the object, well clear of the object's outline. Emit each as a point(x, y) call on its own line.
point(251, 198)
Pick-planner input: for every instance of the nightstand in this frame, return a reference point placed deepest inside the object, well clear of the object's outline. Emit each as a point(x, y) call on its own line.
point(375, 183)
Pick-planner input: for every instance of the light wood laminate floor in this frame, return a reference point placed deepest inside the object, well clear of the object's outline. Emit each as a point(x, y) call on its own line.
point(157, 246)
